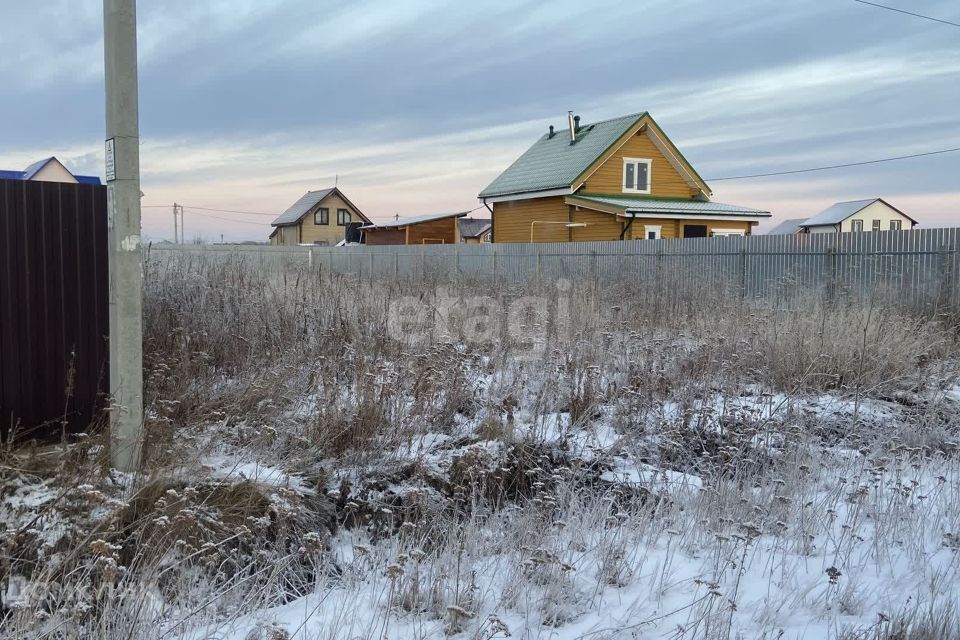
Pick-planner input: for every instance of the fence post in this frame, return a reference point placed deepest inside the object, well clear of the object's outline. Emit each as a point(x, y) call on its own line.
point(659, 277)
point(945, 294)
point(310, 258)
point(832, 277)
point(743, 274)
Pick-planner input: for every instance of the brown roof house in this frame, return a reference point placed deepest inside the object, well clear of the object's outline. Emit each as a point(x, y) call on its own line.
point(434, 228)
point(319, 217)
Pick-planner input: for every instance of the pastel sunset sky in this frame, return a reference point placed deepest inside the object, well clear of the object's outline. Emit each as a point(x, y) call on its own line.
point(418, 104)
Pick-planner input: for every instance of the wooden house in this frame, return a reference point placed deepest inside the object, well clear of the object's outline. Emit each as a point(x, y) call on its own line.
point(319, 217)
point(436, 228)
point(617, 179)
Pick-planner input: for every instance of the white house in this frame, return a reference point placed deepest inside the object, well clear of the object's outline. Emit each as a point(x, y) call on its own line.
point(48, 170)
point(858, 215)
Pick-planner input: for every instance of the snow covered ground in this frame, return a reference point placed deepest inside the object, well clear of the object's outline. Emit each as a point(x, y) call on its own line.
point(824, 541)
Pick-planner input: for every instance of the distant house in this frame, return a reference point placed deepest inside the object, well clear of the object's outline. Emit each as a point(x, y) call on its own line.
point(617, 179)
point(859, 215)
point(435, 228)
point(787, 227)
point(319, 217)
point(474, 230)
point(48, 170)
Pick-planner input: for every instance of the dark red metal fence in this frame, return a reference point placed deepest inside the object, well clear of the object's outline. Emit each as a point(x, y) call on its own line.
point(54, 301)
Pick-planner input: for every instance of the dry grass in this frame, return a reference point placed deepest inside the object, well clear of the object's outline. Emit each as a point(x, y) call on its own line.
point(296, 370)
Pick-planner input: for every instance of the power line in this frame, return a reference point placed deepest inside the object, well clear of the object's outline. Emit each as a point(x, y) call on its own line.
point(207, 215)
point(247, 213)
point(909, 13)
point(834, 166)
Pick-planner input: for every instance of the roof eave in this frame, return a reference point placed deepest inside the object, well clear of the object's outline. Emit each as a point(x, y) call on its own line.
point(699, 214)
point(563, 190)
point(897, 210)
point(401, 224)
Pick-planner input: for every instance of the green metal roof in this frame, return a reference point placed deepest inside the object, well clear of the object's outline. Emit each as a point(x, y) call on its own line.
point(554, 163)
point(635, 205)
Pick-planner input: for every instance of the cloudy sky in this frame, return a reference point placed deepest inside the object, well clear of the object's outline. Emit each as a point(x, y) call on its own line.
point(417, 105)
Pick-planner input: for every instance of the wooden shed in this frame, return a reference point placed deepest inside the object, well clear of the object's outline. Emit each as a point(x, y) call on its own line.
point(434, 228)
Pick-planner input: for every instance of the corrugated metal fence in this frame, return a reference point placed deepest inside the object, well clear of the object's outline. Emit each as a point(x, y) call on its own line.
point(53, 307)
point(918, 268)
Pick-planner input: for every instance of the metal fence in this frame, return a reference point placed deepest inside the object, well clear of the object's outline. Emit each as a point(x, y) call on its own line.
point(918, 268)
point(53, 307)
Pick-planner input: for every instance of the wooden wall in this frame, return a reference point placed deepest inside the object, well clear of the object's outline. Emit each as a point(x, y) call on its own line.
point(444, 230)
point(385, 236)
point(511, 220)
point(600, 226)
point(674, 228)
point(665, 180)
point(331, 233)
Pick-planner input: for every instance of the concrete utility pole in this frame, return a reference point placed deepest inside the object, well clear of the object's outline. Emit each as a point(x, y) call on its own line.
point(176, 234)
point(126, 258)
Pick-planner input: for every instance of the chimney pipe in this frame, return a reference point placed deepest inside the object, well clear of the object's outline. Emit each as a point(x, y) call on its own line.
point(551, 131)
point(573, 131)
point(576, 123)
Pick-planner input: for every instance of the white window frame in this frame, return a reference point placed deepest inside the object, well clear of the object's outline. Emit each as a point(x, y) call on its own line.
point(876, 225)
point(652, 228)
point(853, 224)
point(728, 232)
point(646, 161)
point(896, 225)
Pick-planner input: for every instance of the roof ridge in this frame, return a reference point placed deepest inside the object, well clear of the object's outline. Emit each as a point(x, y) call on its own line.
point(587, 125)
point(633, 116)
point(857, 200)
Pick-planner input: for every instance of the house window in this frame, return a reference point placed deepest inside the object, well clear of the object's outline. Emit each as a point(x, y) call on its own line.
point(876, 225)
point(719, 233)
point(488, 237)
point(321, 216)
point(636, 175)
point(856, 225)
point(652, 231)
point(343, 217)
point(896, 225)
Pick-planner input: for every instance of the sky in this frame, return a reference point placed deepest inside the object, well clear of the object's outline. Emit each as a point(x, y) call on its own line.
point(414, 106)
